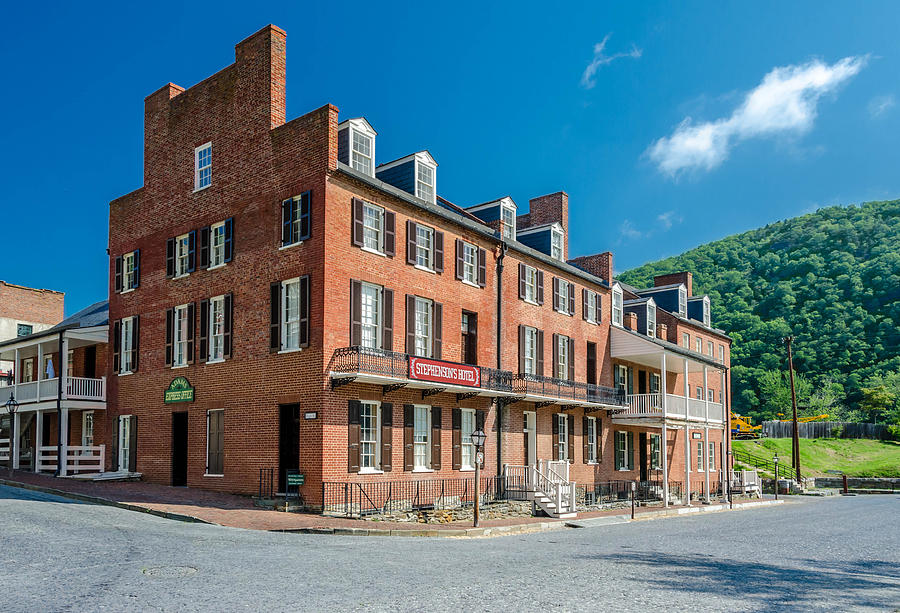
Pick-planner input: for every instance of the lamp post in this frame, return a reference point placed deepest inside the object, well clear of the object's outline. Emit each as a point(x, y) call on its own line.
point(775, 459)
point(11, 407)
point(478, 437)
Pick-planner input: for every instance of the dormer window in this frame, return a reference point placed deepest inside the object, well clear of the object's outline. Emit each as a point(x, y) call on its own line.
point(362, 152)
point(425, 181)
point(706, 312)
point(617, 314)
point(556, 244)
point(508, 215)
point(682, 301)
point(651, 319)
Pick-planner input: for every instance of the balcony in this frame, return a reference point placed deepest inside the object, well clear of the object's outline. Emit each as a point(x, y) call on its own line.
point(77, 388)
point(395, 370)
point(649, 406)
point(548, 390)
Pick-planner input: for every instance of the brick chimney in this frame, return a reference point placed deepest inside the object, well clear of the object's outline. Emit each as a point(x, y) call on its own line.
point(676, 277)
point(631, 321)
point(662, 331)
point(599, 265)
point(549, 209)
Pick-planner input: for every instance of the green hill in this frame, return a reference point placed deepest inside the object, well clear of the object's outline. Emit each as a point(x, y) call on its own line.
point(857, 458)
point(830, 278)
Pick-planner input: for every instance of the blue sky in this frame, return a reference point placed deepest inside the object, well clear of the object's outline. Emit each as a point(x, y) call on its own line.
point(669, 126)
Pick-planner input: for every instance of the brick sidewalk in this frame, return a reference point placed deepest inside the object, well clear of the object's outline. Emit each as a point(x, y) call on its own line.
point(240, 512)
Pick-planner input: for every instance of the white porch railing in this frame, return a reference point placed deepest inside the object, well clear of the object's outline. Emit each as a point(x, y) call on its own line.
point(716, 412)
point(675, 406)
point(79, 458)
point(643, 405)
point(697, 408)
point(650, 405)
point(84, 388)
point(77, 388)
point(4, 450)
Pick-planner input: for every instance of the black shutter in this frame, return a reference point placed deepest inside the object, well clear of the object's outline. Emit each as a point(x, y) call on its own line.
point(190, 333)
point(571, 294)
point(387, 434)
point(356, 232)
point(204, 331)
point(555, 353)
point(630, 458)
point(436, 438)
point(305, 216)
point(135, 342)
point(437, 335)
point(539, 368)
point(438, 252)
point(115, 444)
point(456, 455)
point(460, 259)
point(389, 234)
point(521, 348)
point(355, 313)
point(617, 447)
point(585, 449)
point(408, 425)
point(204, 247)
point(192, 250)
point(118, 277)
point(132, 445)
point(275, 316)
point(387, 325)
point(521, 281)
point(170, 330)
point(482, 267)
point(479, 420)
point(540, 287)
point(571, 359)
point(117, 346)
point(598, 316)
point(571, 424)
point(170, 258)
point(137, 267)
point(353, 436)
point(287, 219)
point(304, 311)
point(410, 242)
point(554, 452)
point(229, 239)
point(591, 362)
point(229, 325)
point(555, 293)
point(584, 303)
point(410, 324)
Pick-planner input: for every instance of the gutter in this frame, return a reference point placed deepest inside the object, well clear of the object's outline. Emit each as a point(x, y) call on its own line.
point(59, 425)
point(500, 403)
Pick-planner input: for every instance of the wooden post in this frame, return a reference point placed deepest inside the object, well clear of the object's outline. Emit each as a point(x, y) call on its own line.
point(795, 443)
point(706, 431)
point(687, 437)
point(663, 446)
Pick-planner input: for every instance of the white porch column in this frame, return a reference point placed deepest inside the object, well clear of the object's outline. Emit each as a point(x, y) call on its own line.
point(40, 364)
point(687, 437)
point(17, 376)
point(38, 436)
point(64, 364)
point(706, 430)
point(726, 431)
point(64, 447)
point(14, 441)
point(664, 444)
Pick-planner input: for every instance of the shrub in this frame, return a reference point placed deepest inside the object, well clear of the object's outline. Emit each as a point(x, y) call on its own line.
point(893, 433)
point(837, 431)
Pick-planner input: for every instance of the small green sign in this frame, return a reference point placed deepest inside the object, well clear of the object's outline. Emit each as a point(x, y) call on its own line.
point(179, 390)
point(295, 478)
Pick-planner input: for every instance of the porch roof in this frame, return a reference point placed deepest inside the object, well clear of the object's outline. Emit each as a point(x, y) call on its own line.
point(629, 345)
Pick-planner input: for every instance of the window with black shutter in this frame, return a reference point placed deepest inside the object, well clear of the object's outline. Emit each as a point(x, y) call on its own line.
point(229, 324)
point(275, 316)
point(229, 239)
point(469, 328)
point(353, 436)
point(204, 248)
point(456, 425)
point(387, 434)
point(215, 442)
point(296, 219)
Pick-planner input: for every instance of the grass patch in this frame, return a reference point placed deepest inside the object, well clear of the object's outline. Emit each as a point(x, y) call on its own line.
point(854, 457)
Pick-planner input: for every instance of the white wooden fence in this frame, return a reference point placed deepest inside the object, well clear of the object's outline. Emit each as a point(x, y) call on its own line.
point(79, 458)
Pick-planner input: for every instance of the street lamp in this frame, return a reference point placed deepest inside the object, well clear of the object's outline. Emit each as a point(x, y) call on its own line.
point(478, 437)
point(11, 407)
point(775, 459)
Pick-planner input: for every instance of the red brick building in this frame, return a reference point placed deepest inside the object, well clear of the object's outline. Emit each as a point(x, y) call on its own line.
point(281, 301)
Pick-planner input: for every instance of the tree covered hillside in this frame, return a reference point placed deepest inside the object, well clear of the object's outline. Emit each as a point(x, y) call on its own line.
point(832, 279)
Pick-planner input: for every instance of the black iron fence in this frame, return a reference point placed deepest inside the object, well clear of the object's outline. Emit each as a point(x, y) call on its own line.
point(267, 485)
point(785, 471)
point(606, 492)
point(551, 387)
point(355, 499)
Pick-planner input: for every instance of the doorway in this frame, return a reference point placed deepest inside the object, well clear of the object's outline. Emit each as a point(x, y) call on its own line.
point(642, 382)
point(125, 443)
point(288, 441)
point(530, 437)
point(179, 448)
point(645, 459)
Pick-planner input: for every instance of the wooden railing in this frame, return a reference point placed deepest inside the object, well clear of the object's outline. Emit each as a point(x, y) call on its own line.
point(79, 458)
point(77, 388)
point(650, 405)
point(641, 405)
point(85, 388)
point(543, 479)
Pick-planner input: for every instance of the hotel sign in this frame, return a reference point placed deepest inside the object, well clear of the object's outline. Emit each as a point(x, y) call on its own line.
point(179, 390)
point(436, 371)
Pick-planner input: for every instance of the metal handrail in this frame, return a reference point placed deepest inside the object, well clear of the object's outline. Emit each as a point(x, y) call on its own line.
point(541, 385)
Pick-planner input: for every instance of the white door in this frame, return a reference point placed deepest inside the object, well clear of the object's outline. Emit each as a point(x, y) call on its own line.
point(87, 429)
point(530, 438)
point(124, 441)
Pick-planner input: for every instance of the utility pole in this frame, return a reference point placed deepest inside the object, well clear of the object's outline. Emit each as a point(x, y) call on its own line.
point(795, 443)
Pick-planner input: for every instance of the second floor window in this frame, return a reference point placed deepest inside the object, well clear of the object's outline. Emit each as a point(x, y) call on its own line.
point(562, 357)
point(698, 345)
point(424, 247)
point(654, 382)
point(182, 255)
point(531, 284)
point(710, 348)
point(180, 344)
point(564, 298)
point(361, 152)
point(722, 354)
point(203, 166)
point(470, 263)
point(373, 227)
point(127, 345)
point(423, 327)
point(530, 352)
point(711, 395)
point(217, 328)
point(296, 219)
point(686, 340)
point(370, 315)
point(290, 314)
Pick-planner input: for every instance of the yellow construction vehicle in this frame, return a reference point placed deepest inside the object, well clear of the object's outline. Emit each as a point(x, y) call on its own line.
point(803, 420)
point(743, 428)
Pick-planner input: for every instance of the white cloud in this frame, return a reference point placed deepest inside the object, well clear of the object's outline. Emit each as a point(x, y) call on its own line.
point(879, 105)
point(668, 219)
point(588, 80)
point(784, 102)
point(628, 230)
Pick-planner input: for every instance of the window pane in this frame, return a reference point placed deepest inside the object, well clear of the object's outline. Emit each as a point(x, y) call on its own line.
point(423, 328)
point(368, 434)
point(423, 246)
point(420, 436)
point(372, 226)
point(370, 315)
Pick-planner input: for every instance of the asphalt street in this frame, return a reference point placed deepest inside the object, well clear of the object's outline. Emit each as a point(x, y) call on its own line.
point(832, 554)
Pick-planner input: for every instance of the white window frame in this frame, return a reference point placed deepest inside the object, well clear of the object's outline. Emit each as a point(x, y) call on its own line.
point(470, 263)
point(202, 166)
point(467, 426)
point(129, 279)
point(711, 457)
point(87, 429)
point(592, 440)
point(591, 307)
point(620, 381)
point(682, 301)
point(216, 246)
point(530, 351)
point(711, 395)
point(48, 359)
point(373, 234)
point(509, 225)
point(564, 289)
point(423, 335)
point(651, 319)
point(182, 255)
point(70, 363)
point(618, 312)
point(562, 427)
point(425, 247)
point(179, 336)
point(698, 345)
point(699, 392)
point(421, 449)
point(531, 284)
point(360, 161)
point(721, 354)
point(700, 458)
point(654, 381)
point(126, 345)
point(375, 407)
point(206, 473)
point(657, 464)
point(424, 190)
point(216, 332)
point(706, 315)
point(556, 245)
point(290, 325)
point(124, 442)
point(626, 451)
point(710, 348)
point(370, 318)
point(561, 368)
point(686, 340)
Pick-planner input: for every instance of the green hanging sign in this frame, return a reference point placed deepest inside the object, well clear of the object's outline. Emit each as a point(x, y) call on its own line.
point(179, 390)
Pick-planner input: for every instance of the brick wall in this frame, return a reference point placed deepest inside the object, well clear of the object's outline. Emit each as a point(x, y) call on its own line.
point(42, 306)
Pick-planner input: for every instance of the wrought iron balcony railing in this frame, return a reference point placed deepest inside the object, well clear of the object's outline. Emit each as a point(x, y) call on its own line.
point(550, 387)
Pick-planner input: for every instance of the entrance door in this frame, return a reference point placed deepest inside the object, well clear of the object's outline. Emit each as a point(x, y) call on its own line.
point(179, 448)
point(124, 441)
point(645, 458)
point(642, 382)
point(530, 436)
point(288, 441)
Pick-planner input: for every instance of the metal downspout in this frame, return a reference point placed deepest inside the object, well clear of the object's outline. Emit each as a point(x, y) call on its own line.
point(500, 403)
